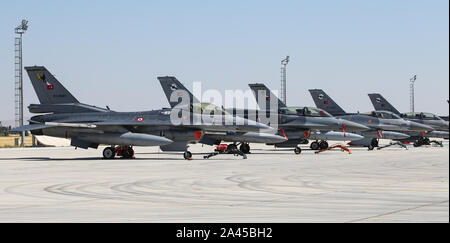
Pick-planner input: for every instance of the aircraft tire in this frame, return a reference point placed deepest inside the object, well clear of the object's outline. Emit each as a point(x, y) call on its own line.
point(298, 150)
point(245, 148)
point(375, 143)
point(315, 146)
point(109, 153)
point(417, 144)
point(323, 145)
point(187, 155)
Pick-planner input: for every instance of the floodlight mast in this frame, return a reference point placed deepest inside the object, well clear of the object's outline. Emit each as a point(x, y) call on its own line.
point(19, 30)
point(284, 64)
point(411, 93)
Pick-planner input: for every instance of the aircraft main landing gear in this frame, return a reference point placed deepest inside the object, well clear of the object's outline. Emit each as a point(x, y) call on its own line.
point(422, 141)
point(319, 145)
point(245, 148)
point(323, 144)
point(297, 150)
point(373, 144)
point(126, 152)
point(315, 145)
point(109, 153)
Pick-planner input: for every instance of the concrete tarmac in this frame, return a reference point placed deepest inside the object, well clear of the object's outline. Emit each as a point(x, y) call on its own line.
point(272, 185)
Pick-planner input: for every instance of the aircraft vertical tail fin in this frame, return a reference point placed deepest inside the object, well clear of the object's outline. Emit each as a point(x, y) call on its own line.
point(48, 89)
point(268, 94)
point(381, 104)
point(170, 85)
point(323, 101)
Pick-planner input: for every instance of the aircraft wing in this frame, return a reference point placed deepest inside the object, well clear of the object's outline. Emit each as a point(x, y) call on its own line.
point(31, 127)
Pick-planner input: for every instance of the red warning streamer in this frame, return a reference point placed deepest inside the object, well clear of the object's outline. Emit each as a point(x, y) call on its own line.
point(284, 134)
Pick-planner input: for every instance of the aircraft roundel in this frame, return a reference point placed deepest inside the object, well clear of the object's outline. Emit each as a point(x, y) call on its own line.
point(140, 119)
point(321, 96)
point(378, 100)
point(173, 87)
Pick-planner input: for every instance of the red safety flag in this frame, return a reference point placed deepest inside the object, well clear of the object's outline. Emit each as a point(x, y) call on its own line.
point(380, 135)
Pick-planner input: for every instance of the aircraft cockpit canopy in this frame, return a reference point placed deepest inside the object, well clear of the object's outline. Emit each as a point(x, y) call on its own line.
point(207, 109)
point(383, 115)
point(421, 116)
point(305, 111)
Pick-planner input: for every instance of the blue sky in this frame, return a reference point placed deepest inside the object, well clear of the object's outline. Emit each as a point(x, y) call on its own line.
point(110, 52)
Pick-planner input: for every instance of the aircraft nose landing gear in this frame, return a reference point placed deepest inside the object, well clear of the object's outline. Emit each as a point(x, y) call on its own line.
point(187, 155)
point(297, 150)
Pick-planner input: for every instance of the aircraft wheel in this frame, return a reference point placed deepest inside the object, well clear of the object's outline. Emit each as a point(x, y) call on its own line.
point(417, 144)
point(314, 146)
point(187, 155)
point(245, 148)
point(298, 150)
point(109, 153)
point(371, 147)
point(375, 143)
point(324, 145)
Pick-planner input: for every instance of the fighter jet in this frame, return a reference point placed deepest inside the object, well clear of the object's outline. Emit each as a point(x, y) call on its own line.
point(309, 123)
point(441, 127)
point(89, 126)
point(173, 89)
point(383, 124)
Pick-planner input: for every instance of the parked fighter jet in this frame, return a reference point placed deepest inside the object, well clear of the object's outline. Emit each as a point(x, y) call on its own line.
point(441, 127)
point(330, 128)
point(171, 86)
point(383, 124)
point(90, 126)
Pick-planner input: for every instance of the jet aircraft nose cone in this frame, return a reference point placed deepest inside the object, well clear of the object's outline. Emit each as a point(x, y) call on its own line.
point(403, 136)
point(261, 127)
point(163, 141)
point(415, 126)
point(353, 137)
point(353, 126)
point(275, 138)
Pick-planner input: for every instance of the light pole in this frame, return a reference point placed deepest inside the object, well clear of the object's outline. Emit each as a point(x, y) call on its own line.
point(411, 86)
point(284, 64)
point(19, 30)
